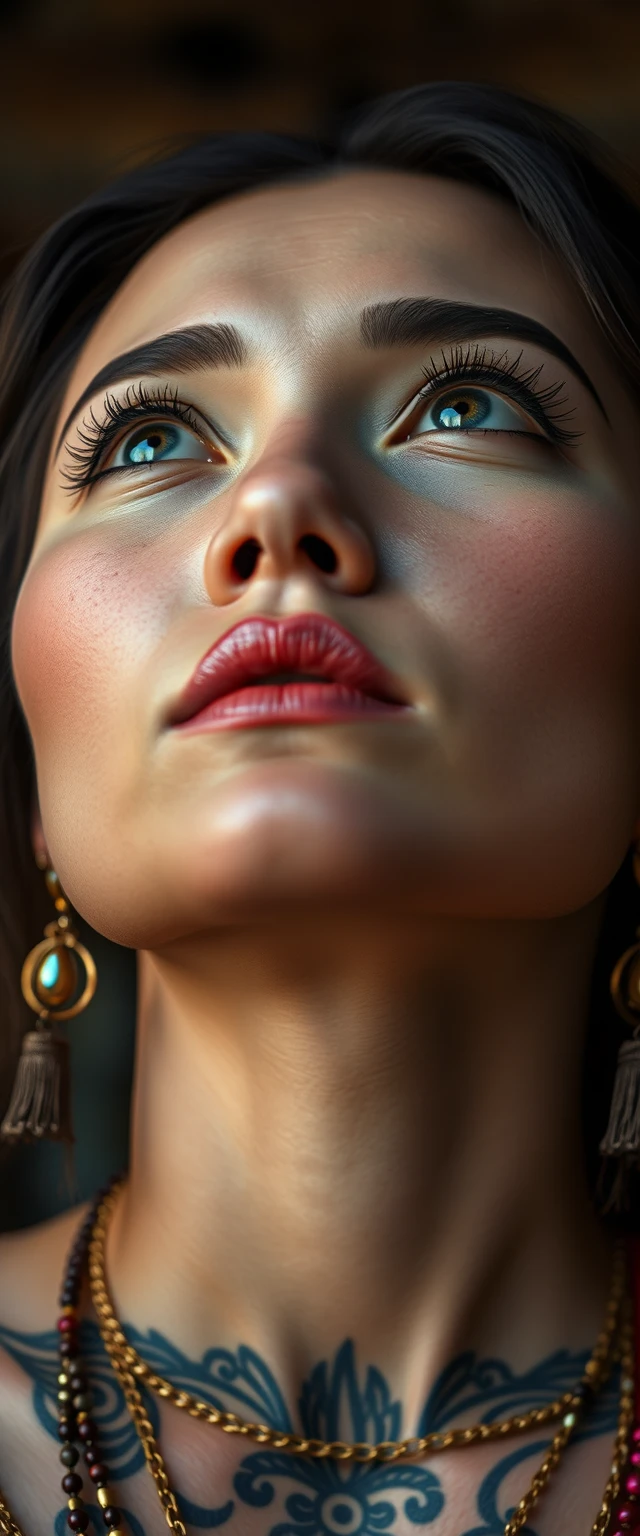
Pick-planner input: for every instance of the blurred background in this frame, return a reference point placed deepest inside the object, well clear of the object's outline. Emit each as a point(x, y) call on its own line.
point(88, 87)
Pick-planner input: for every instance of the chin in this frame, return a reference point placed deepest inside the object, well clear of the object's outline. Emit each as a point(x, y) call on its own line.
point(295, 831)
point(274, 834)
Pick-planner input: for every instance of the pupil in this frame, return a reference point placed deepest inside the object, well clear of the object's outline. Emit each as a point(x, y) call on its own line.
point(147, 447)
point(456, 412)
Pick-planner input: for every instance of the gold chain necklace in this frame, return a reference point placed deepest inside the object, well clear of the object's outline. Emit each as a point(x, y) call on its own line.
point(523, 1510)
point(616, 1341)
point(118, 1346)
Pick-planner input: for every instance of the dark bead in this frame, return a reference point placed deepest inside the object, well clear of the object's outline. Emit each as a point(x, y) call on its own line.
point(111, 1515)
point(87, 1430)
point(92, 1456)
point(68, 1455)
point(66, 1428)
point(66, 1324)
point(83, 1401)
point(77, 1519)
point(71, 1483)
point(67, 1345)
point(77, 1382)
point(98, 1474)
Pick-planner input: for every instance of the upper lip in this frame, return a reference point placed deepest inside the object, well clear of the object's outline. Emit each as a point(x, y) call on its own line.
point(258, 647)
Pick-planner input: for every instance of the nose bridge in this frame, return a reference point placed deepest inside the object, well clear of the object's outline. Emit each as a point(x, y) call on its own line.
point(288, 512)
point(289, 470)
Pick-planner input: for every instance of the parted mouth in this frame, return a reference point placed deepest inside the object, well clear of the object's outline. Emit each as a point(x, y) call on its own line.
point(266, 651)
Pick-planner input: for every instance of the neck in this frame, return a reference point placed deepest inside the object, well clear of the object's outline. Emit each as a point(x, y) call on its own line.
point(369, 1130)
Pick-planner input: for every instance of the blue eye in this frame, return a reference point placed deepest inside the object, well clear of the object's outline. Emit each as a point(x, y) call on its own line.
point(159, 441)
point(464, 409)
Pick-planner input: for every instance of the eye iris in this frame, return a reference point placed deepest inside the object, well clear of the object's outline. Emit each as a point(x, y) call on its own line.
point(462, 410)
point(151, 443)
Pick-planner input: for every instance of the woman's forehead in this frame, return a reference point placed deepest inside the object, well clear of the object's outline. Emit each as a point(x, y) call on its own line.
point(288, 256)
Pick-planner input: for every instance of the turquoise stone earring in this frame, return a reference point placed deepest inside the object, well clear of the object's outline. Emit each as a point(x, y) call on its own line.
point(58, 980)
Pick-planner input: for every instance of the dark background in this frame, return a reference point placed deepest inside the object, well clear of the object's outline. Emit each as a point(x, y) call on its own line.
point(88, 87)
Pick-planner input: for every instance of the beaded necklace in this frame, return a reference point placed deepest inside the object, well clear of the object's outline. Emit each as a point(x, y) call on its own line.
point(80, 1434)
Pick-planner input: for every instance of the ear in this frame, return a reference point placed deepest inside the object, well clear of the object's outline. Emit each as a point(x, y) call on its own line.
point(38, 840)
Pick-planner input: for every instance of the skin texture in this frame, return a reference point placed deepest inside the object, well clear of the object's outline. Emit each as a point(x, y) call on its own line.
point(364, 948)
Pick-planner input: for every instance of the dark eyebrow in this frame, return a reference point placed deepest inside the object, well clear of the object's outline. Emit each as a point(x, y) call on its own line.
point(408, 322)
point(195, 347)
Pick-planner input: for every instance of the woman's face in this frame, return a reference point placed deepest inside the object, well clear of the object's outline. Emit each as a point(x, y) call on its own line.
point(481, 539)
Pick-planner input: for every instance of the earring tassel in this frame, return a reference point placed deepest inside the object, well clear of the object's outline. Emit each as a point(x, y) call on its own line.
point(40, 1102)
point(622, 1136)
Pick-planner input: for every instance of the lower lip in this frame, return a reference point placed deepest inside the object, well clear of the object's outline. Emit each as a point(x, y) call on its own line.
point(289, 704)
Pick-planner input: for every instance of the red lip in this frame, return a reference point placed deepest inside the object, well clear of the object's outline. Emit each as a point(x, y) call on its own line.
point(339, 677)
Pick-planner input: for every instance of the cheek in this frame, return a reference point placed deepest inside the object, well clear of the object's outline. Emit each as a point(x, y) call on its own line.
point(533, 579)
point(550, 596)
point(544, 606)
point(83, 613)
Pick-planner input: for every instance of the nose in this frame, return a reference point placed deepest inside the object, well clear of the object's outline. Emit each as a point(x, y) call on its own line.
point(287, 518)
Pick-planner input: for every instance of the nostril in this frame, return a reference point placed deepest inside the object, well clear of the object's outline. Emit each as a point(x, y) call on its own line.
point(319, 551)
point(245, 559)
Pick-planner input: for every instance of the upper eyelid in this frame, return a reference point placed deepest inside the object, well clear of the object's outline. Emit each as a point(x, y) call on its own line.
point(418, 393)
point(102, 402)
point(105, 432)
point(497, 370)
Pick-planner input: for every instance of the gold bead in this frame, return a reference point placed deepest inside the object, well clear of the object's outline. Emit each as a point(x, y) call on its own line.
point(56, 978)
point(53, 884)
point(104, 1497)
point(74, 1503)
point(63, 1379)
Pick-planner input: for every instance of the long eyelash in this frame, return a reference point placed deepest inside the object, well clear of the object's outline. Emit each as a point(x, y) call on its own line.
point(96, 435)
point(486, 366)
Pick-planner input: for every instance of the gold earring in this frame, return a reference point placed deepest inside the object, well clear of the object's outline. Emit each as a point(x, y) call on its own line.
point(41, 1101)
point(622, 1136)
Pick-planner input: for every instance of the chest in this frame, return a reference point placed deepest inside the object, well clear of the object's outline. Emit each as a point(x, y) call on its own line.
point(244, 1489)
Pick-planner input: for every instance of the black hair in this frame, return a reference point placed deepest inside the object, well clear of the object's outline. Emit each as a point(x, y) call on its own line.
point(566, 190)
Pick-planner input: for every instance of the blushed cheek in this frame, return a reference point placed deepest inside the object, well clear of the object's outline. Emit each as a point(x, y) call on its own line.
point(537, 583)
point(83, 612)
point(567, 574)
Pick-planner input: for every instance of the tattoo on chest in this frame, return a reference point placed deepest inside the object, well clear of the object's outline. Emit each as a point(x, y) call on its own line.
point(340, 1399)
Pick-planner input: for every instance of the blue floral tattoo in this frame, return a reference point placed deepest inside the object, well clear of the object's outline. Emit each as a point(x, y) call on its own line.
point(314, 1497)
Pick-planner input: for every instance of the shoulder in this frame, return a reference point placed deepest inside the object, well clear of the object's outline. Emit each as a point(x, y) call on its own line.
point(31, 1265)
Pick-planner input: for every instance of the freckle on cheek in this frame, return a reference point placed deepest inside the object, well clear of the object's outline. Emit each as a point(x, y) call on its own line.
point(68, 607)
